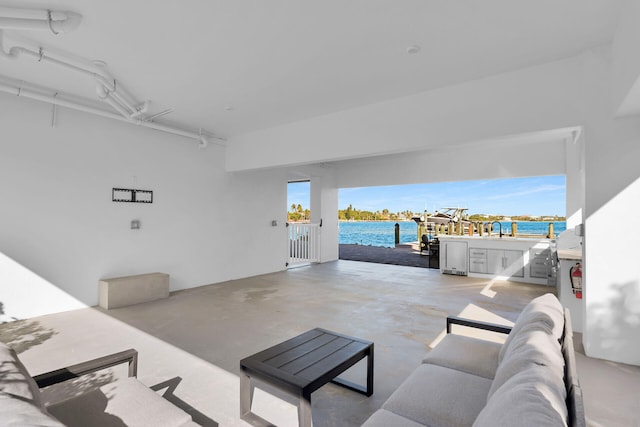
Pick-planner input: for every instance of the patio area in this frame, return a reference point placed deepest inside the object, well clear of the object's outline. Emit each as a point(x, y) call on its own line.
point(190, 344)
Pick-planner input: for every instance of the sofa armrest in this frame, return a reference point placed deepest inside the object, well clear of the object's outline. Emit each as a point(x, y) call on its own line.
point(494, 327)
point(74, 371)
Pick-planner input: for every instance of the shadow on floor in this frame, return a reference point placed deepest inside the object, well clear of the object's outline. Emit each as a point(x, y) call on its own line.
point(21, 335)
point(197, 416)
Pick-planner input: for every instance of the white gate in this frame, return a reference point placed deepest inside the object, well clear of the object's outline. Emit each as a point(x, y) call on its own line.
point(304, 243)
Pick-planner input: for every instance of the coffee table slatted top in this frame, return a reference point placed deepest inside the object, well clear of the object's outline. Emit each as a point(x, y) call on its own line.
point(308, 357)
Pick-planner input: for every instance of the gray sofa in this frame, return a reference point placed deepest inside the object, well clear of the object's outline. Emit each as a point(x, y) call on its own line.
point(125, 402)
point(530, 380)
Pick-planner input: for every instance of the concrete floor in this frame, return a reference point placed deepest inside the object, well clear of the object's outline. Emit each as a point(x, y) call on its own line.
point(190, 344)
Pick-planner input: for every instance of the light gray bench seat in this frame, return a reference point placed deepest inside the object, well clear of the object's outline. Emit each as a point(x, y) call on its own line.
point(128, 290)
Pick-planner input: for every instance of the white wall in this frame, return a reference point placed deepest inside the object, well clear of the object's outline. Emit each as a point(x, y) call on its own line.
point(575, 179)
point(252, 200)
point(626, 64)
point(60, 232)
point(612, 285)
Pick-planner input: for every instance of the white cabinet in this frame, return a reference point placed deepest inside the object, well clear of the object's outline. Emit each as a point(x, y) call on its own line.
point(516, 259)
point(540, 261)
point(502, 262)
point(453, 258)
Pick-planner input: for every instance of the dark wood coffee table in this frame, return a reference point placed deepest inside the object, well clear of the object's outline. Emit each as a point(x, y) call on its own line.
point(302, 365)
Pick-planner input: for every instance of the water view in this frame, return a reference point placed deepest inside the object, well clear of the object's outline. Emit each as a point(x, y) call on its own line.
point(382, 233)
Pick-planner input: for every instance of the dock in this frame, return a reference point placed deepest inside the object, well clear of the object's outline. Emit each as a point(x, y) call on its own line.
point(406, 254)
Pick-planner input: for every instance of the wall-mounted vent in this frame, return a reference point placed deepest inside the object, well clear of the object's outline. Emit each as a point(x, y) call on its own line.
point(454, 272)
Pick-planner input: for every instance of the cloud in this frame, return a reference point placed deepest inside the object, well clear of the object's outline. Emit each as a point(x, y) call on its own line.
point(548, 188)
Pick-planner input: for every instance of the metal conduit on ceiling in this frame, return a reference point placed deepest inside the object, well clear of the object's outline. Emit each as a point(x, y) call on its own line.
point(108, 89)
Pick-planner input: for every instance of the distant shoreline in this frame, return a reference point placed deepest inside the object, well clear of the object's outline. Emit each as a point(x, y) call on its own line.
point(410, 220)
point(375, 220)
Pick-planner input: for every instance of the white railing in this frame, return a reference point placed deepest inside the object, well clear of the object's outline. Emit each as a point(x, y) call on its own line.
point(304, 243)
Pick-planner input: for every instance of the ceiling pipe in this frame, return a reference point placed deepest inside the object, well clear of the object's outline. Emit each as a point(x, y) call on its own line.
point(69, 63)
point(37, 19)
point(96, 70)
point(56, 100)
point(117, 92)
point(106, 88)
point(120, 104)
point(142, 109)
point(106, 96)
point(202, 138)
point(160, 114)
point(132, 110)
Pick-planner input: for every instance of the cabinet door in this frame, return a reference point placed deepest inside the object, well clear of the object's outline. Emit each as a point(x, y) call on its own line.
point(505, 262)
point(495, 261)
point(514, 263)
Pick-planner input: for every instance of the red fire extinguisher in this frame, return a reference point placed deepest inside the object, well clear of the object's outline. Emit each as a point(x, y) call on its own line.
point(575, 273)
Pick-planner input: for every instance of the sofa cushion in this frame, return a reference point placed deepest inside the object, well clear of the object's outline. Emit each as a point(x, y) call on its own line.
point(384, 418)
point(16, 381)
point(530, 348)
point(437, 396)
point(124, 401)
point(16, 412)
point(466, 354)
point(528, 399)
point(544, 313)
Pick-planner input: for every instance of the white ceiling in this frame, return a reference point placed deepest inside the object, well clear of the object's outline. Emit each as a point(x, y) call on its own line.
point(279, 61)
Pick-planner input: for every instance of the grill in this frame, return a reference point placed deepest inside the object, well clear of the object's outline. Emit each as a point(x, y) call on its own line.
point(434, 253)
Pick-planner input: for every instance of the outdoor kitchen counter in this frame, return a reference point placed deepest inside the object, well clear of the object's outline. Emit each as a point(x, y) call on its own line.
point(520, 259)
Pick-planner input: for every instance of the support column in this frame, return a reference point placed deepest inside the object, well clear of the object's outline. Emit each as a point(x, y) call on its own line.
point(324, 206)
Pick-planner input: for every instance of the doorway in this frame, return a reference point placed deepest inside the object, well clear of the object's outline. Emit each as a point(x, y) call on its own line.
point(304, 237)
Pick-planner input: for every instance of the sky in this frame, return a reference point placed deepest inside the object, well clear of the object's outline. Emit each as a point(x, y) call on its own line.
point(535, 196)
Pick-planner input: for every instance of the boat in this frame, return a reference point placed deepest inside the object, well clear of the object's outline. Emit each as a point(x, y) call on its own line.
point(446, 216)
